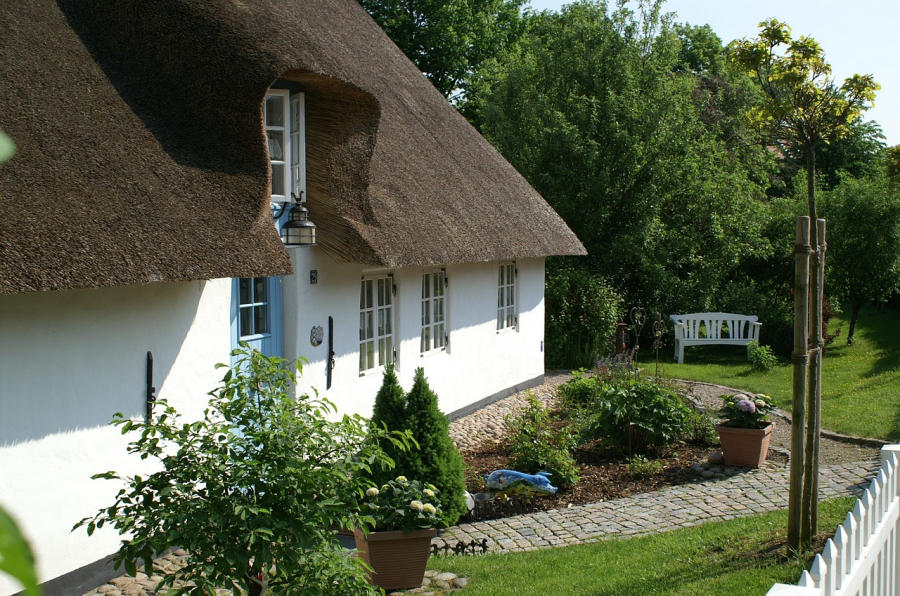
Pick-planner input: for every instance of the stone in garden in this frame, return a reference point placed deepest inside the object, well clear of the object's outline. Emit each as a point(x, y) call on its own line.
point(716, 458)
point(707, 474)
point(446, 576)
point(460, 583)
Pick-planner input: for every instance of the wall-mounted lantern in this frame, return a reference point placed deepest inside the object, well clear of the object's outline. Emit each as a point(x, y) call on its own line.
point(298, 230)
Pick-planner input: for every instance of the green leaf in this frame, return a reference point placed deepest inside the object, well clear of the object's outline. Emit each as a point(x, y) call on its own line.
point(15, 554)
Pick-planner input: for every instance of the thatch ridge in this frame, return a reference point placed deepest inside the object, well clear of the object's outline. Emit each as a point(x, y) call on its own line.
point(142, 154)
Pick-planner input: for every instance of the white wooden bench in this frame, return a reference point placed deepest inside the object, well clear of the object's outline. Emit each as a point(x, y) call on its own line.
point(704, 328)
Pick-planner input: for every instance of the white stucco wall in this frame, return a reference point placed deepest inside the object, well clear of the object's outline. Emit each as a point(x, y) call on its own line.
point(68, 362)
point(479, 363)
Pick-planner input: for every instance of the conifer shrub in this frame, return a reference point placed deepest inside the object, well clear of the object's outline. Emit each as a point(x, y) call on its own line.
point(437, 459)
point(390, 412)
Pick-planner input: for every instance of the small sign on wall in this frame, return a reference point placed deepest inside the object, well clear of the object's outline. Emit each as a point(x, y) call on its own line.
point(313, 276)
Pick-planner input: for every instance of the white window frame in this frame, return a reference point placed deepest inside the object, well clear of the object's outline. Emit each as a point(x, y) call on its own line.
point(377, 322)
point(435, 334)
point(248, 310)
point(273, 131)
point(507, 297)
point(297, 128)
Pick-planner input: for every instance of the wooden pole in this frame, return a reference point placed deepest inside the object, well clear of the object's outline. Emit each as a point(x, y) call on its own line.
point(816, 414)
point(800, 359)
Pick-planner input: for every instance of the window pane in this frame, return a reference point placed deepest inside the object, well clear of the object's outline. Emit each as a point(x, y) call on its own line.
point(439, 336)
point(362, 295)
point(369, 294)
point(362, 326)
point(261, 289)
point(500, 298)
point(295, 115)
point(295, 151)
point(426, 313)
point(278, 179)
point(262, 319)
point(510, 296)
point(362, 359)
point(276, 145)
point(370, 354)
point(274, 110)
point(387, 322)
point(246, 321)
point(369, 326)
point(439, 310)
point(246, 287)
point(426, 339)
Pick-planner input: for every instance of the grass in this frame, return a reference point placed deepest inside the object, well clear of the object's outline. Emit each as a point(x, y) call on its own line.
point(860, 383)
point(741, 556)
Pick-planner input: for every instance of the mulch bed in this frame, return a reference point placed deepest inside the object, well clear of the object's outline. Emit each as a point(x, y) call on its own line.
point(604, 475)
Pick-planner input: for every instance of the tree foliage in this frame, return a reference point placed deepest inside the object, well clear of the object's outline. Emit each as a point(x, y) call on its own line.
point(252, 490)
point(863, 261)
point(645, 159)
point(447, 39)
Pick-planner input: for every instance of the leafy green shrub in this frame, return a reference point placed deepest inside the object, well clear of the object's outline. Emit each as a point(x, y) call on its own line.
point(581, 315)
point(641, 467)
point(251, 490)
point(637, 417)
point(761, 357)
point(580, 390)
point(536, 446)
point(700, 429)
point(402, 504)
point(437, 460)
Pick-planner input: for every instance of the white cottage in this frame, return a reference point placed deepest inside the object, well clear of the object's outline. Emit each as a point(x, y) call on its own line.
point(137, 242)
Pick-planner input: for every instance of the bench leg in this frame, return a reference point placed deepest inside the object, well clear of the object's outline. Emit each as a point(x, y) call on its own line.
point(679, 352)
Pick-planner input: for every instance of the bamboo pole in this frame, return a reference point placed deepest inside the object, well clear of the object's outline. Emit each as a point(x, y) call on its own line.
point(800, 359)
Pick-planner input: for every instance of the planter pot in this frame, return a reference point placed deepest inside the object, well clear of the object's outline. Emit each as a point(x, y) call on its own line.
point(745, 447)
point(397, 559)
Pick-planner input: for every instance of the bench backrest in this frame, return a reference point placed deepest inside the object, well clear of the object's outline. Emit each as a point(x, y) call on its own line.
point(714, 325)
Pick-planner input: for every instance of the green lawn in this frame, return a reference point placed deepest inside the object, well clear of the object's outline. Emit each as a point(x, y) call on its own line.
point(860, 383)
point(742, 556)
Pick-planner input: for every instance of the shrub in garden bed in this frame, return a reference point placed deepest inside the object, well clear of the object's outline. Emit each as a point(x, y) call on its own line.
point(536, 446)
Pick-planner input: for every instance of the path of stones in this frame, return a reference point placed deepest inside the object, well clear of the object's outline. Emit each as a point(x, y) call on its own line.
point(681, 506)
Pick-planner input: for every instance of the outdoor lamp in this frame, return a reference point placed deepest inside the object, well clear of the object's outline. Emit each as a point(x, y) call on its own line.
point(298, 230)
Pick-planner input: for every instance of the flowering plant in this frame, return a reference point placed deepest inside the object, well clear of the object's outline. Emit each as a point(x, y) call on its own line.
point(745, 411)
point(402, 504)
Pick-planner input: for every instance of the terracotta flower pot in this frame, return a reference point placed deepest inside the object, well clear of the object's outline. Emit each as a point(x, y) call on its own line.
point(745, 447)
point(397, 559)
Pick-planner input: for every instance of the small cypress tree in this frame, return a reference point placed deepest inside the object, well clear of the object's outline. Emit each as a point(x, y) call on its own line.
point(389, 411)
point(437, 460)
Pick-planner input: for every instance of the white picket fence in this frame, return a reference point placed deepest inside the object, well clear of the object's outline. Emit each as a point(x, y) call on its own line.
point(863, 559)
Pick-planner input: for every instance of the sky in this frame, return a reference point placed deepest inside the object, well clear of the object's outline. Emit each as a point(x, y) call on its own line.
point(858, 37)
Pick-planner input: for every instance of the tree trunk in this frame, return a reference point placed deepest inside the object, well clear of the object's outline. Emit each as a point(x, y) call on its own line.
point(813, 395)
point(857, 304)
point(800, 358)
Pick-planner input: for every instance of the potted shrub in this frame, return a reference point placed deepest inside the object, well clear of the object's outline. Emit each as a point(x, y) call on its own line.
point(746, 429)
point(404, 517)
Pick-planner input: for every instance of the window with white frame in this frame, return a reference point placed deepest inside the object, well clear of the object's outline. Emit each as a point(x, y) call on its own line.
point(376, 322)
point(284, 115)
point(434, 333)
point(506, 297)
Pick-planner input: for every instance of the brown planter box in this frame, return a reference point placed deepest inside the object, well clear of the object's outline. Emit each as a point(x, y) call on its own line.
point(397, 559)
point(745, 447)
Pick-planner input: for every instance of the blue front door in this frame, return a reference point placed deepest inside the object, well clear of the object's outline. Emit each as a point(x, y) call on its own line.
point(256, 314)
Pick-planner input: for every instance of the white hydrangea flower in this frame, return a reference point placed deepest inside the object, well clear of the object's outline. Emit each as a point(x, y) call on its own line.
point(372, 492)
point(402, 479)
point(416, 505)
point(428, 508)
point(428, 493)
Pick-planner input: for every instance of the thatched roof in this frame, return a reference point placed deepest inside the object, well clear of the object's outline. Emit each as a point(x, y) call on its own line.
point(142, 155)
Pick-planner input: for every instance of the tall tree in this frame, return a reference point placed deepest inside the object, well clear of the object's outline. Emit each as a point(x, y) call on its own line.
point(803, 107)
point(448, 39)
point(864, 241)
point(641, 156)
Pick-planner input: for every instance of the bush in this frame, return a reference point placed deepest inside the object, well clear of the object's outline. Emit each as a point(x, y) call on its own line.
point(581, 315)
point(536, 446)
point(250, 491)
point(637, 417)
point(641, 467)
point(580, 391)
point(700, 429)
point(761, 357)
point(437, 461)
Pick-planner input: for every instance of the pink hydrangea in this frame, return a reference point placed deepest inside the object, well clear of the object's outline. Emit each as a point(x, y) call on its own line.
point(745, 405)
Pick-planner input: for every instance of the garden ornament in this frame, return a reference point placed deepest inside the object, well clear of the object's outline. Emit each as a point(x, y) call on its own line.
point(510, 482)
